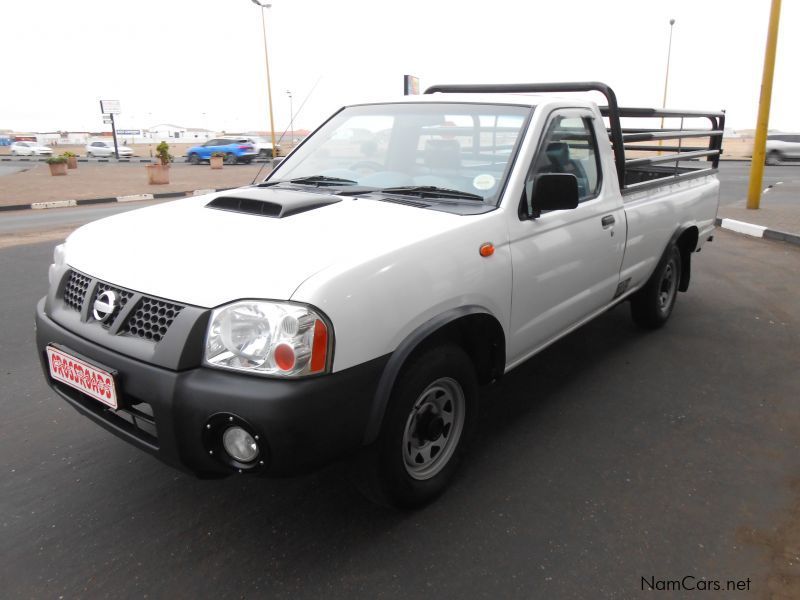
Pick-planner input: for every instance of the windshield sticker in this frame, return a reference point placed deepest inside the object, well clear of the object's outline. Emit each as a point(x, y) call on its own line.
point(483, 182)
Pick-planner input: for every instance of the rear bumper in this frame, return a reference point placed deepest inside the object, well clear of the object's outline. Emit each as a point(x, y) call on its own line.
point(301, 424)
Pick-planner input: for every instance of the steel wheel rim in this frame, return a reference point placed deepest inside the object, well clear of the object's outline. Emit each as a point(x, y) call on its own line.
point(439, 409)
point(669, 284)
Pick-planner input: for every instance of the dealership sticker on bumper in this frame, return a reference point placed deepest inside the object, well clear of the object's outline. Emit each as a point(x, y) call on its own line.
point(90, 380)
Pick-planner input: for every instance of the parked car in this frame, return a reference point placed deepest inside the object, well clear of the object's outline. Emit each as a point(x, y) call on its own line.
point(105, 148)
point(235, 149)
point(30, 149)
point(352, 305)
point(263, 146)
point(783, 147)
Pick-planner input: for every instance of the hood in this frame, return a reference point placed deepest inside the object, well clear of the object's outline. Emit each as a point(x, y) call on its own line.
point(256, 243)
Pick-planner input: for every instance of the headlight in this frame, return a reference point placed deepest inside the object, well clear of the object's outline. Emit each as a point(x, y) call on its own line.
point(58, 262)
point(270, 338)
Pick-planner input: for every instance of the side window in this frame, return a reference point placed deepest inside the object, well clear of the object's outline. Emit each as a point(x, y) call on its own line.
point(570, 147)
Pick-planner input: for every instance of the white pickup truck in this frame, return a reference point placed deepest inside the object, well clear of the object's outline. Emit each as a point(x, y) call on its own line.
point(351, 304)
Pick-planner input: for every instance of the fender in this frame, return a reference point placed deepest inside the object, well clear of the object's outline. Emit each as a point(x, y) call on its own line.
point(399, 357)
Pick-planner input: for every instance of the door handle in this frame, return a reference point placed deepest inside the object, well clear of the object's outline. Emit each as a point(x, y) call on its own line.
point(607, 221)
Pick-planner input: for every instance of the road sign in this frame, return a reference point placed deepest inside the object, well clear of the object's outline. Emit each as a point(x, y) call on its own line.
point(129, 131)
point(106, 119)
point(109, 107)
point(410, 85)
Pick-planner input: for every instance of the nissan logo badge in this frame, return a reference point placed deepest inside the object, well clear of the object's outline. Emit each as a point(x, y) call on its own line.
point(104, 306)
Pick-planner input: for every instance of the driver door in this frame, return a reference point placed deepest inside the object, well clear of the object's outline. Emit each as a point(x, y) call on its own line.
point(566, 262)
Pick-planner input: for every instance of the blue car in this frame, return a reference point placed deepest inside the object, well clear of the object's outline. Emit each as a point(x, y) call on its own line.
point(235, 150)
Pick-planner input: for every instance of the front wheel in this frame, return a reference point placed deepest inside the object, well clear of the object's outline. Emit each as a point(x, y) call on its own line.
point(774, 158)
point(652, 305)
point(431, 414)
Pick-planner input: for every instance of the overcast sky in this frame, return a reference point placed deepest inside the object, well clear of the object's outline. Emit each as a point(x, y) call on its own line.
point(200, 63)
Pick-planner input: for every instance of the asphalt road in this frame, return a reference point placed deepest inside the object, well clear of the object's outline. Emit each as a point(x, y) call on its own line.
point(611, 456)
point(783, 183)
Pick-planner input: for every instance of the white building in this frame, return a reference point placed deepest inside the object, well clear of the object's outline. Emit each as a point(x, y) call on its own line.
point(175, 133)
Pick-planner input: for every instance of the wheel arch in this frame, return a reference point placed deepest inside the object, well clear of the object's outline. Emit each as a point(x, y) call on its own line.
point(473, 328)
point(686, 240)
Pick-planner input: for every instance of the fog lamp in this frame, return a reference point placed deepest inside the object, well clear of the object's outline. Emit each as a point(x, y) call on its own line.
point(239, 444)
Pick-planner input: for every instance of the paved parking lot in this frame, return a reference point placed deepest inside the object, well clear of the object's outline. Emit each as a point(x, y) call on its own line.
point(612, 456)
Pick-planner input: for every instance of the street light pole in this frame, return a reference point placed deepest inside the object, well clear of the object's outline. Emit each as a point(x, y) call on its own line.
point(666, 75)
point(263, 6)
point(291, 116)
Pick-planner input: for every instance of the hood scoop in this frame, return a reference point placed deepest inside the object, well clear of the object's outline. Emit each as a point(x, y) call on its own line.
point(271, 202)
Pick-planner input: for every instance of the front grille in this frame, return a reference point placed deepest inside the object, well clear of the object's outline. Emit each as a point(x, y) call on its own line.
point(149, 319)
point(122, 299)
point(75, 290)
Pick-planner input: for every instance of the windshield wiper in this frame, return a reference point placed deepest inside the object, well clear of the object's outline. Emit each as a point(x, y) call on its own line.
point(311, 180)
point(431, 191)
point(323, 180)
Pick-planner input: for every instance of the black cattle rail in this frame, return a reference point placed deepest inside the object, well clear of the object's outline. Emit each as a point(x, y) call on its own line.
point(634, 173)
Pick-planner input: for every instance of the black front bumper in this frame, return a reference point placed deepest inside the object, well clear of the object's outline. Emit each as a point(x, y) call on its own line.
point(301, 424)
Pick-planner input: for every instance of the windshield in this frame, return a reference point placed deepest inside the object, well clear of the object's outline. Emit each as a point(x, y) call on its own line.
point(454, 147)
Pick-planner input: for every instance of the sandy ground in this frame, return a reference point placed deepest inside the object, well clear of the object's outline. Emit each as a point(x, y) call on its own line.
point(140, 150)
point(732, 148)
point(104, 180)
point(90, 180)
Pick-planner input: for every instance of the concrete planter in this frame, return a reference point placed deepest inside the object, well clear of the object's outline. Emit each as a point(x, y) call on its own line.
point(157, 174)
point(216, 162)
point(72, 162)
point(58, 168)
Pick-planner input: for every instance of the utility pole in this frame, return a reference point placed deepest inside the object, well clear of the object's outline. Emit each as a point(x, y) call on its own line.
point(264, 6)
point(291, 118)
point(762, 125)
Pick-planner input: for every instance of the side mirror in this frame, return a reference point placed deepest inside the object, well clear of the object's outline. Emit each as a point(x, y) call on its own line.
point(551, 191)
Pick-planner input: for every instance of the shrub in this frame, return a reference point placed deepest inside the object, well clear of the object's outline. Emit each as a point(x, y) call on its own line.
point(56, 160)
point(162, 153)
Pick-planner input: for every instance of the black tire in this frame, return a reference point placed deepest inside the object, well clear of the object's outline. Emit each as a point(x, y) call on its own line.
point(264, 153)
point(393, 471)
point(194, 158)
point(89, 155)
point(230, 158)
point(774, 158)
point(652, 305)
point(247, 161)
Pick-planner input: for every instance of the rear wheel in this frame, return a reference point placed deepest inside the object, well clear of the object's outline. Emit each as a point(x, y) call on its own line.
point(230, 158)
point(89, 154)
point(652, 305)
point(194, 159)
point(431, 414)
